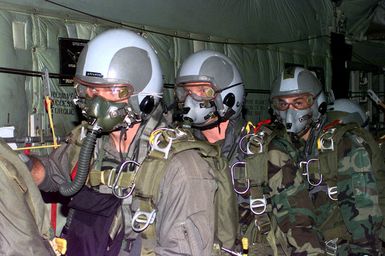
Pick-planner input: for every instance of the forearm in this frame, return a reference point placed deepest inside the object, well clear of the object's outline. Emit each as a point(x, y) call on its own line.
point(50, 171)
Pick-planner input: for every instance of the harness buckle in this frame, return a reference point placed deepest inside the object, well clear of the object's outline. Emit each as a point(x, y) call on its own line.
point(307, 174)
point(171, 134)
point(258, 203)
point(331, 192)
point(118, 191)
point(263, 224)
point(109, 179)
point(165, 150)
point(258, 140)
point(331, 247)
point(242, 145)
point(233, 179)
point(325, 141)
point(141, 217)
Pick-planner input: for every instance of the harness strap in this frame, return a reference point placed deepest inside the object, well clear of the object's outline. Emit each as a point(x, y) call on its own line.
point(256, 173)
point(107, 177)
point(328, 147)
point(327, 144)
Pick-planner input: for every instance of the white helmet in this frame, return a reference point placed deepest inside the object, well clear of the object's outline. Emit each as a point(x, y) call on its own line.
point(347, 111)
point(295, 81)
point(227, 92)
point(122, 57)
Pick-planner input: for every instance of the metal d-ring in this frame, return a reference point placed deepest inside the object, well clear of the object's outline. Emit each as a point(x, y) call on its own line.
point(233, 179)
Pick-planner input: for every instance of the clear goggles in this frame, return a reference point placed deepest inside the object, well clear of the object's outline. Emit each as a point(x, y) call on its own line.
point(299, 102)
point(199, 91)
point(110, 92)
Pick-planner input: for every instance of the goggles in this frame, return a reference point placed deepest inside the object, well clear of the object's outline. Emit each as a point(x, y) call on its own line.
point(198, 91)
point(110, 92)
point(299, 102)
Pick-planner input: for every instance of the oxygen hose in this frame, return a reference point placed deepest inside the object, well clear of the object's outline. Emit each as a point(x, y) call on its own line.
point(87, 149)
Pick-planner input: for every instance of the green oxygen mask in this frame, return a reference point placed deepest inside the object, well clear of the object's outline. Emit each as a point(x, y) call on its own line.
point(103, 115)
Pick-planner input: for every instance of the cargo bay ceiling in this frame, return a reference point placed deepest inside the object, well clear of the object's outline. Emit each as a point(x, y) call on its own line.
point(245, 22)
point(261, 36)
point(286, 23)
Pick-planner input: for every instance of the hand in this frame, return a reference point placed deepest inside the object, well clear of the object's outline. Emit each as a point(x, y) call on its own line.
point(37, 171)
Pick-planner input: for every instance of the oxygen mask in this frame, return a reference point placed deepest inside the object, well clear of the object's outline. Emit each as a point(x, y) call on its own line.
point(104, 106)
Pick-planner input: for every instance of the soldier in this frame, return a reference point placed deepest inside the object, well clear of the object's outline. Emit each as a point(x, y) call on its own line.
point(336, 163)
point(134, 202)
point(209, 92)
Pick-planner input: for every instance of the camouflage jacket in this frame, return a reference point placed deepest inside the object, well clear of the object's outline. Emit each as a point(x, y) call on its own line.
point(346, 195)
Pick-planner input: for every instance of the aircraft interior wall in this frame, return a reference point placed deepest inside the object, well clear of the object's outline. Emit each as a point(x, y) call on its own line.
point(30, 41)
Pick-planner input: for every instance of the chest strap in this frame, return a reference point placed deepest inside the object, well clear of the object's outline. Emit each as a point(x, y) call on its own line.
point(111, 178)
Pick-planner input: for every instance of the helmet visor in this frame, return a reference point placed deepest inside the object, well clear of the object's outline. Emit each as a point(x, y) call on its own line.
point(199, 91)
point(110, 92)
point(299, 102)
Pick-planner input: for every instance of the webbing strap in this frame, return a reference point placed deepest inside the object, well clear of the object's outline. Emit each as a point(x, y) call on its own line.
point(257, 163)
point(257, 169)
point(107, 177)
point(329, 157)
point(150, 125)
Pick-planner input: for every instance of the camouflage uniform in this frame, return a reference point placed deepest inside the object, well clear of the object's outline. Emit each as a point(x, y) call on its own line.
point(290, 210)
point(350, 219)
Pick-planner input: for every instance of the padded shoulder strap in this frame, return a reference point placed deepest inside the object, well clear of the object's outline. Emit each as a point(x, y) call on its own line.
point(258, 147)
point(327, 144)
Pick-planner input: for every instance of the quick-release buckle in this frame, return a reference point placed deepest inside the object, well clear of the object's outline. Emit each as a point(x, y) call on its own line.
point(325, 141)
point(258, 140)
point(331, 247)
point(171, 135)
point(306, 173)
point(254, 138)
point(165, 150)
point(142, 217)
point(233, 179)
point(258, 203)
